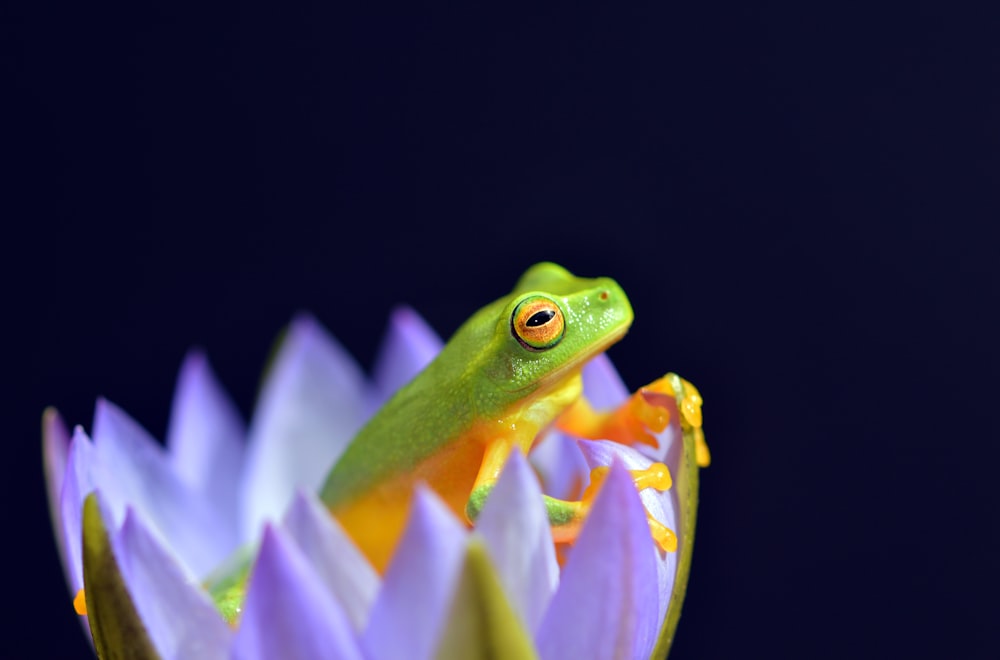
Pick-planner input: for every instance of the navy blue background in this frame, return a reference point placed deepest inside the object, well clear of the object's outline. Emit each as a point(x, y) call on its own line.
point(798, 202)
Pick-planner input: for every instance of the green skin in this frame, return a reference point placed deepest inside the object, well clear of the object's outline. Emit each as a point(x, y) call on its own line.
point(483, 374)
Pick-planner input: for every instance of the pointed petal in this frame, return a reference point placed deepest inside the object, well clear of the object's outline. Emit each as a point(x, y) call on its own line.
point(178, 615)
point(136, 472)
point(661, 505)
point(481, 622)
point(115, 625)
point(78, 483)
point(55, 454)
point(606, 605)
point(310, 406)
point(602, 385)
point(560, 465)
point(334, 557)
point(408, 616)
point(409, 345)
point(516, 532)
point(288, 614)
point(205, 438)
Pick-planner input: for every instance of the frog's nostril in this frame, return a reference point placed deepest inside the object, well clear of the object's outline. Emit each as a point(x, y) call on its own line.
point(604, 295)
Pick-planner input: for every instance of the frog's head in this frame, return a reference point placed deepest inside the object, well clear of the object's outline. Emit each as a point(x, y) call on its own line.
point(552, 324)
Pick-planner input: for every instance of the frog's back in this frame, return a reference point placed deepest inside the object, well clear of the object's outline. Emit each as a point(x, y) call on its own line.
point(422, 421)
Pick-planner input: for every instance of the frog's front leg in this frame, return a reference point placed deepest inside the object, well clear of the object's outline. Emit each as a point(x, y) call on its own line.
point(566, 516)
point(642, 415)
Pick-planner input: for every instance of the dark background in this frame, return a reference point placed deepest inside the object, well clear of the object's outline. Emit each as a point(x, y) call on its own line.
point(798, 202)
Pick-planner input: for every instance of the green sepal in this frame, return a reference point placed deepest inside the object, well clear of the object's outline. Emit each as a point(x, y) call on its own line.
point(227, 585)
point(686, 487)
point(116, 627)
point(481, 624)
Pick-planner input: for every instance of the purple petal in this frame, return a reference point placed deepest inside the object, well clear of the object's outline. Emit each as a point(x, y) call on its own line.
point(602, 385)
point(516, 530)
point(560, 466)
point(334, 557)
point(78, 483)
point(408, 616)
point(310, 406)
point(205, 438)
point(288, 613)
point(606, 605)
point(661, 505)
point(55, 451)
point(409, 345)
point(135, 471)
point(179, 617)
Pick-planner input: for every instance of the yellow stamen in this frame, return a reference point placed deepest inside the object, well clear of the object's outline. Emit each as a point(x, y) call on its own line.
point(80, 603)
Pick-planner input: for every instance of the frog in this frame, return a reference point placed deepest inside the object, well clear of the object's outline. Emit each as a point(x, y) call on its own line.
point(510, 373)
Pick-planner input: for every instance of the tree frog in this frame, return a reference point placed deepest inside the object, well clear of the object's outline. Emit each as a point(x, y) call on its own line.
point(509, 372)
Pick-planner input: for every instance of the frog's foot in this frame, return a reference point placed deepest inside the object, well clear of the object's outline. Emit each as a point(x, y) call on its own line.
point(567, 517)
point(689, 404)
point(642, 415)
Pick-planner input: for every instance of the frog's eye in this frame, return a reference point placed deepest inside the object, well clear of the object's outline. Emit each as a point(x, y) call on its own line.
point(537, 323)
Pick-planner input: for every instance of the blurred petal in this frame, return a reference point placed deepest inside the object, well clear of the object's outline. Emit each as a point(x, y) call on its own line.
point(288, 614)
point(606, 605)
point(561, 467)
point(409, 612)
point(78, 483)
point(55, 454)
point(310, 406)
point(481, 623)
point(516, 532)
point(602, 385)
point(139, 474)
point(116, 627)
point(205, 438)
point(557, 458)
point(661, 505)
point(334, 557)
point(179, 617)
point(409, 345)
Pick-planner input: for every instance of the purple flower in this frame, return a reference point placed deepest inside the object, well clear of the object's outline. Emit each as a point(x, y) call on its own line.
point(145, 526)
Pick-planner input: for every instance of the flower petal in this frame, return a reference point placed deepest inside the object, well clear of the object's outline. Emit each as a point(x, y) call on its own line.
point(55, 454)
point(560, 465)
point(287, 613)
point(409, 612)
point(310, 406)
point(179, 617)
point(660, 505)
point(78, 483)
point(606, 605)
point(116, 627)
point(516, 532)
point(205, 438)
point(481, 622)
point(602, 385)
point(334, 557)
point(409, 345)
point(136, 472)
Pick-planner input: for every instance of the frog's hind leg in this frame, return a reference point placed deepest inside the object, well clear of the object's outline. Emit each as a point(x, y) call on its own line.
point(643, 414)
point(566, 516)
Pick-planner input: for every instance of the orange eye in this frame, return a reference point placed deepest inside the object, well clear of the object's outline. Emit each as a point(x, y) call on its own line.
point(537, 323)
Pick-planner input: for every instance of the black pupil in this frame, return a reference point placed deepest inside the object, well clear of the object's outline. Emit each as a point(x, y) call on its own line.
point(540, 318)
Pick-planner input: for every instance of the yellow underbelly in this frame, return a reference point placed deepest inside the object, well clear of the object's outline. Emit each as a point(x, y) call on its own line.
point(376, 520)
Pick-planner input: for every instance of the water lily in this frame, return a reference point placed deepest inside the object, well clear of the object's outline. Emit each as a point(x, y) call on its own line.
point(143, 527)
